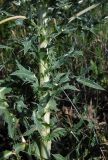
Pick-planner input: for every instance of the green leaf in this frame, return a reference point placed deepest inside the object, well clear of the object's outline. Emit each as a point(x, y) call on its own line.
point(62, 78)
point(27, 46)
point(33, 149)
point(59, 76)
point(75, 54)
point(37, 120)
point(11, 120)
point(8, 117)
point(58, 63)
point(5, 47)
point(58, 157)
point(77, 126)
point(57, 133)
point(20, 105)
point(25, 75)
point(3, 103)
point(3, 91)
point(89, 83)
point(6, 154)
point(19, 147)
point(52, 104)
point(30, 131)
point(69, 87)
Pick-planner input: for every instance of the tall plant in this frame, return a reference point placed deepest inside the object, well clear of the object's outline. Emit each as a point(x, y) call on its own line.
point(49, 81)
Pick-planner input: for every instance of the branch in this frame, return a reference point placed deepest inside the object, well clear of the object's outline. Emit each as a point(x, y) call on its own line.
point(12, 18)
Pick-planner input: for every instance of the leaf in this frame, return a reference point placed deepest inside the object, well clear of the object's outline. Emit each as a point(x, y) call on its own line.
point(3, 103)
point(8, 117)
point(30, 131)
point(6, 154)
point(5, 47)
point(69, 87)
point(64, 78)
point(52, 104)
point(57, 133)
point(76, 54)
point(11, 120)
point(58, 77)
point(33, 149)
point(58, 157)
point(27, 46)
point(19, 147)
point(3, 91)
point(77, 126)
point(25, 75)
point(58, 63)
point(37, 120)
point(20, 105)
point(19, 22)
point(89, 83)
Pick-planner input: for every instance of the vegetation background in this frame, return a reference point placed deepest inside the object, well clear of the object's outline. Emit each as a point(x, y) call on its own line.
point(54, 80)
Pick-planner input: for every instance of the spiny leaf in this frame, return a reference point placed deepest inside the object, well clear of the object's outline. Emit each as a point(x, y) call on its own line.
point(57, 133)
point(25, 75)
point(69, 87)
point(27, 46)
point(89, 83)
point(61, 78)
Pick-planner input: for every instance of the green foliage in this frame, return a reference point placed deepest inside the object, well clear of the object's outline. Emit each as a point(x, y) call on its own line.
point(89, 83)
point(72, 41)
point(24, 74)
point(59, 157)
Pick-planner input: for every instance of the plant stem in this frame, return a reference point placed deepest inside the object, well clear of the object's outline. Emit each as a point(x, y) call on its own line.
point(45, 145)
